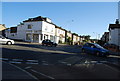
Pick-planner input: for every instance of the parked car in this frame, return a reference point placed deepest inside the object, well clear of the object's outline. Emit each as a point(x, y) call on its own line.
point(4, 40)
point(48, 42)
point(111, 47)
point(94, 48)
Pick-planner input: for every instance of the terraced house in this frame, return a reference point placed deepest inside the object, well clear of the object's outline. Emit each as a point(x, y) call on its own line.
point(59, 34)
point(39, 28)
point(114, 33)
point(75, 38)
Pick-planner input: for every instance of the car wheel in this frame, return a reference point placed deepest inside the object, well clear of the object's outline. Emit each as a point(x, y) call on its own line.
point(55, 45)
point(9, 43)
point(98, 53)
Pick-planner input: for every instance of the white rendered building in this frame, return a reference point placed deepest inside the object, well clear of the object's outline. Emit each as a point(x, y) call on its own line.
point(114, 33)
point(34, 30)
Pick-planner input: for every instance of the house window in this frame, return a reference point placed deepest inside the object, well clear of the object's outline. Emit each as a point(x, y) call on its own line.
point(29, 26)
point(28, 36)
point(51, 37)
point(58, 31)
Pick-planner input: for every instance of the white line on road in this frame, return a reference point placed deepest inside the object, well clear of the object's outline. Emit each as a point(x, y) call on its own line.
point(4, 59)
point(14, 62)
point(103, 61)
point(93, 61)
point(43, 61)
point(23, 71)
point(45, 64)
point(114, 56)
point(32, 60)
point(112, 68)
point(31, 63)
point(17, 59)
point(42, 74)
point(28, 67)
point(69, 64)
point(63, 62)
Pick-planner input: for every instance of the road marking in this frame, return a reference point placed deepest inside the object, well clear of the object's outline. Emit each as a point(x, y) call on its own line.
point(69, 64)
point(103, 61)
point(4, 59)
point(32, 60)
point(93, 61)
point(17, 59)
point(45, 64)
point(28, 67)
point(43, 61)
point(31, 63)
point(14, 62)
point(42, 74)
point(99, 63)
point(63, 62)
point(114, 56)
point(23, 71)
point(111, 68)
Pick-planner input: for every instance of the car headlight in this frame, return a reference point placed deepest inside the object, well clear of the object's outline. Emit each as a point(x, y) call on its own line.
point(12, 41)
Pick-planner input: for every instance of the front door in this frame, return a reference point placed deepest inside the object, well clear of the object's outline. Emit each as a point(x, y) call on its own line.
point(36, 38)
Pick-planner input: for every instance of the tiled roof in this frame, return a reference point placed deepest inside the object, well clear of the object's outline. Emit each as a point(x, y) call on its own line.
point(59, 27)
point(39, 18)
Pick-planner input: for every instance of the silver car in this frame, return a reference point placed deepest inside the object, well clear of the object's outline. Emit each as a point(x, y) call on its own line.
point(4, 40)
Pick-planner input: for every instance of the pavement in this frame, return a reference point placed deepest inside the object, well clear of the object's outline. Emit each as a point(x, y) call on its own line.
point(115, 53)
point(16, 73)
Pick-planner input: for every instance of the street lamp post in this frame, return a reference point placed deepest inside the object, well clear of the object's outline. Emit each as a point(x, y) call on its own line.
point(97, 35)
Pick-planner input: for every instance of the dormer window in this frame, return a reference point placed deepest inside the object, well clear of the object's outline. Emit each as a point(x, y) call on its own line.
point(29, 26)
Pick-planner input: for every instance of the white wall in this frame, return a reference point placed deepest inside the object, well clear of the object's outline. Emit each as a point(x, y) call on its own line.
point(59, 32)
point(113, 36)
point(21, 30)
point(48, 28)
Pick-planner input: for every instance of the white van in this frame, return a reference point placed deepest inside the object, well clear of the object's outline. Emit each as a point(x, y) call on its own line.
point(4, 40)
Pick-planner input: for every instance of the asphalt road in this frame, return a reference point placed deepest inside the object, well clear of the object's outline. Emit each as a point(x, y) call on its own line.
point(61, 62)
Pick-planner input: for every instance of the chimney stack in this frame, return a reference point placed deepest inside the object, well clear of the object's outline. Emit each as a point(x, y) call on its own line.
point(117, 21)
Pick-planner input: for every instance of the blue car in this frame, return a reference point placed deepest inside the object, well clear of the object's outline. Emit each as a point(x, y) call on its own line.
point(93, 48)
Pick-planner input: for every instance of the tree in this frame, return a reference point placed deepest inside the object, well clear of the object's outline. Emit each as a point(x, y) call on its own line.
point(87, 37)
point(69, 40)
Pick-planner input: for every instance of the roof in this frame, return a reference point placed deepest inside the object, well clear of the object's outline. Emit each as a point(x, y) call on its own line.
point(2, 27)
point(39, 18)
point(113, 26)
point(59, 28)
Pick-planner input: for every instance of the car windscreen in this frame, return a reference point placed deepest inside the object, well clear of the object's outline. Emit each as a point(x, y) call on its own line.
point(98, 46)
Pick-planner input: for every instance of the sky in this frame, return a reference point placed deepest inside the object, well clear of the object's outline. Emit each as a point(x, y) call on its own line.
point(83, 18)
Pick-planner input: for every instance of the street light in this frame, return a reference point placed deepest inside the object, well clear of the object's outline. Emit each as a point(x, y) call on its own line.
point(97, 35)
